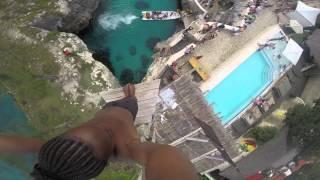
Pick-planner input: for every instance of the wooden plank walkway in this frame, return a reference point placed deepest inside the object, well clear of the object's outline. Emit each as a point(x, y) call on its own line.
point(181, 125)
point(147, 95)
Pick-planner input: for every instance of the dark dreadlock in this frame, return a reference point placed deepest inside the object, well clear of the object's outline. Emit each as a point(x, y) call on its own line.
point(67, 159)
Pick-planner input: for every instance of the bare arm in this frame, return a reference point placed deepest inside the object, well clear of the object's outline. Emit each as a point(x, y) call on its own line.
point(163, 162)
point(19, 145)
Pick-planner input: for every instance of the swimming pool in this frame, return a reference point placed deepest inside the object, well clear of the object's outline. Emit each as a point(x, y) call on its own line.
point(240, 87)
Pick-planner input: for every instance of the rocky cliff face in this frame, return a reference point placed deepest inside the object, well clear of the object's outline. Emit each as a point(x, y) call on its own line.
point(80, 76)
point(72, 16)
point(51, 74)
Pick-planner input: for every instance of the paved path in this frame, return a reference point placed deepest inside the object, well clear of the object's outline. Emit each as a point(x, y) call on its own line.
point(272, 154)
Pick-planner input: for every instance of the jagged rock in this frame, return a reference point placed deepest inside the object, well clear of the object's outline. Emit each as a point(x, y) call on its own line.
point(48, 22)
point(73, 16)
point(70, 70)
point(152, 41)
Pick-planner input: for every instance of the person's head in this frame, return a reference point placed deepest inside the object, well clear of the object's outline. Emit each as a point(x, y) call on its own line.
point(62, 158)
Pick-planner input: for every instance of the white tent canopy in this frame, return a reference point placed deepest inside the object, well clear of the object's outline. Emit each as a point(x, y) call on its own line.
point(305, 15)
point(292, 52)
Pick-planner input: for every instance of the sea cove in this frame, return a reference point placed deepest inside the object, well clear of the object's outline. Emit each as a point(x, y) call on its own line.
point(122, 41)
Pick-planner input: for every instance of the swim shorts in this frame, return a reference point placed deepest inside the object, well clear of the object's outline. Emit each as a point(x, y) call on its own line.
point(129, 103)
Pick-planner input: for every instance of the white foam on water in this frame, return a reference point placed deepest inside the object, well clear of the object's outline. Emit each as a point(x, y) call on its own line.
point(112, 21)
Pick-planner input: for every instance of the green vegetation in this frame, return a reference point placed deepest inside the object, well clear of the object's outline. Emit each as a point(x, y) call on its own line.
point(299, 38)
point(307, 172)
point(304, 129)
point(113, 174)
point(304, 123)
point(20, 11)
point(262, 134)
point(311, 171)
point(85, 81)
point(24, 68)
point(203, 177)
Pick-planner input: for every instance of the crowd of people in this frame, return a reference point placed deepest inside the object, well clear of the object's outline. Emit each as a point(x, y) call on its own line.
point(267, 44)
point(206, 3)
point(253, 7)
point(260, 102)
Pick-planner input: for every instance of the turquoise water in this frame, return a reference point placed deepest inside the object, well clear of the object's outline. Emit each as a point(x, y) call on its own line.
point(273, 53)
point(124, 41)
point(240, 87)
point(13, 120)
point(8, 172)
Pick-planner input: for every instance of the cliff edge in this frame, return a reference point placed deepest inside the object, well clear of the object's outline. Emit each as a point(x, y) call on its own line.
point(69, 16)
point(51, 74)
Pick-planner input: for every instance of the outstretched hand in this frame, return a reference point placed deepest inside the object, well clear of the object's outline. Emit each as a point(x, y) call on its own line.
point(19, 145)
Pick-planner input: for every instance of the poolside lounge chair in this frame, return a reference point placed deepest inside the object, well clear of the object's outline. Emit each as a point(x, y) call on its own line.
point(197, 66)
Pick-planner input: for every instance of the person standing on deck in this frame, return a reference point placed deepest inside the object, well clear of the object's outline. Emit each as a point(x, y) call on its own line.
point(83, 152)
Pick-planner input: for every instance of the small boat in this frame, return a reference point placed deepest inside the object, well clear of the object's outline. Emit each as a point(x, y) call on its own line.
point(159, 15)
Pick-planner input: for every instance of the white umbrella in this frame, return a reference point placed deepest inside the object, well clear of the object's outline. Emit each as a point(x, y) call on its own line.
point(309, 13)
point(292, 52)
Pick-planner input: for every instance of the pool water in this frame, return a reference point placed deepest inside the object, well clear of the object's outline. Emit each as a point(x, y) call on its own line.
point(124, 42)
point(240, 87)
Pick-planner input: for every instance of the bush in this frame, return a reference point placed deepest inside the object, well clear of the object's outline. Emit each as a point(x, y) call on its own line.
point(299, 38)
point(310, 171)
point(262, 134)
point(304, 123)
point(202, 177)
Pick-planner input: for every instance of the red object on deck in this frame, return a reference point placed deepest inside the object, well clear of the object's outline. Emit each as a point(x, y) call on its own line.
point(174, 64)
point(300, 164)
point(257, 176)
point(278, 177)
point(66, 52)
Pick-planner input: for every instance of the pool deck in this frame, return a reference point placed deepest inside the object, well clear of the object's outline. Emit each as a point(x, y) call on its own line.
point(225, 68)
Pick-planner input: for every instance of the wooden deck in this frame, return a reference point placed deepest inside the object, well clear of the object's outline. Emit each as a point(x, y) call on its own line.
point(178, 127)
point(147, 95)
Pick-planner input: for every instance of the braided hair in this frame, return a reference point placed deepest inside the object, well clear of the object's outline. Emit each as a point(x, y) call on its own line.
point(67, 159)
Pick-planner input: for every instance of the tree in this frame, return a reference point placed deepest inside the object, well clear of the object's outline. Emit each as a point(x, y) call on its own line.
point(262, 134)
point(304, 123)
point(202, 177)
